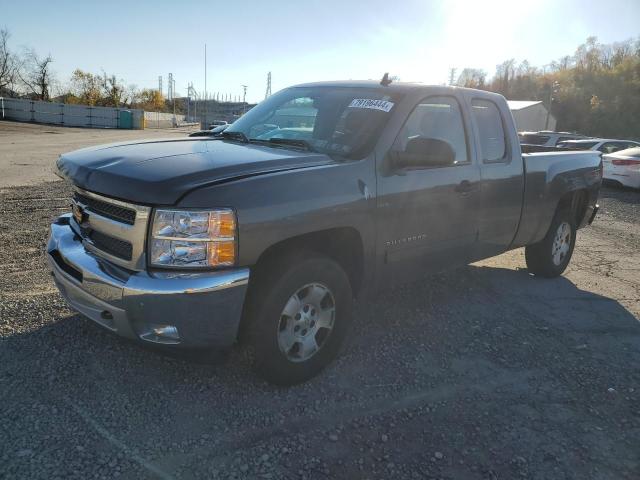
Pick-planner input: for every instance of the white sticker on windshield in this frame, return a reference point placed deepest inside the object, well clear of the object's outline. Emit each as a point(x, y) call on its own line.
point(374, 104)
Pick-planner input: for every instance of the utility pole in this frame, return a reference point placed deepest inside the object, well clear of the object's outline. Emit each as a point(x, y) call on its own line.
point(206, 106)
point(553, 89)
point(268, 92)
point(452, 76)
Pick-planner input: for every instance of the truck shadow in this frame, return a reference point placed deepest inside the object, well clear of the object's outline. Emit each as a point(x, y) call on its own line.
point(455, 310)
point(498, 347)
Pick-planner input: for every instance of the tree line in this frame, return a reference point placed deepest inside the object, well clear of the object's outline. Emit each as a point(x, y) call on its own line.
point(27, 74)
point(595, 91)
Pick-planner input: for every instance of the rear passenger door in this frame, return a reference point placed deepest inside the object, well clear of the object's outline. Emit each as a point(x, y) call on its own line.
point(502, 180)
point(427, 217)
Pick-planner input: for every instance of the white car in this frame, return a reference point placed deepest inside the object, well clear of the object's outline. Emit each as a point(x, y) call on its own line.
point(604, 145)
point(623, 167)
point(546, 138)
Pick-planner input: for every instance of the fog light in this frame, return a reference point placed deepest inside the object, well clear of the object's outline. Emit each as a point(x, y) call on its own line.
point(161, 334)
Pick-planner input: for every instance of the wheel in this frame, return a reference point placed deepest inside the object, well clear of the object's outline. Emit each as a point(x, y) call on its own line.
point(300, 313)
point(550, 257)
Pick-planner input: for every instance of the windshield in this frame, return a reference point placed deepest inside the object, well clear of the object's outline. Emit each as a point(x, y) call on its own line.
point(333, 120)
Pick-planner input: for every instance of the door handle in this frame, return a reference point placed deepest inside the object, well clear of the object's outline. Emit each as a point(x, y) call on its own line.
point(464, 187)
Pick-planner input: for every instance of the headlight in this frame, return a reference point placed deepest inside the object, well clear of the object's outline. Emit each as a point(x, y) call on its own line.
point(193, 238)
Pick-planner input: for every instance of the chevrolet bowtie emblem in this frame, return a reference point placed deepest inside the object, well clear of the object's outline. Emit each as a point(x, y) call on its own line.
point(78, 213)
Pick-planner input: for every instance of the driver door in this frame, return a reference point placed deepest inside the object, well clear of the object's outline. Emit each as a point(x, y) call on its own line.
point(428, 216)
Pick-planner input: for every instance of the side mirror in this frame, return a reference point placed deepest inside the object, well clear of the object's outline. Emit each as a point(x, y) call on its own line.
point(422, 152)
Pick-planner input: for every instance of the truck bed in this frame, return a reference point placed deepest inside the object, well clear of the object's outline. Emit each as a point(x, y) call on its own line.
point(547, 178)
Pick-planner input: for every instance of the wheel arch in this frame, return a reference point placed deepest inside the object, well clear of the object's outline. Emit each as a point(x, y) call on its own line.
point(577, 202)
point(342, 244)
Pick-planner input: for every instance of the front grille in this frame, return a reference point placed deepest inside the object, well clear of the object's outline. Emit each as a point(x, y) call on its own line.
point(110, 245)
point(109, 210)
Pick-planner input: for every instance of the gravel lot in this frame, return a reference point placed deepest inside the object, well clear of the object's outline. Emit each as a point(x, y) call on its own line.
point(29, 150)
point(481, 373)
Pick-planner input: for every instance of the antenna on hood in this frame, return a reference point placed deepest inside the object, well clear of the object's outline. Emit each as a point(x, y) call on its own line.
point(386, 81)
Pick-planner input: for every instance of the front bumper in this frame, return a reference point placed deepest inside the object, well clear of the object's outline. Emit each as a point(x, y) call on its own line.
point(204, 307)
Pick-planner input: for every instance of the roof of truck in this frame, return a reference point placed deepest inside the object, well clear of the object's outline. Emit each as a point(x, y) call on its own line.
point(396, 86)
point(364, 83)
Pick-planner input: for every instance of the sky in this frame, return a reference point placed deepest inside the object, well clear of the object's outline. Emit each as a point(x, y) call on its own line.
point(305, 40)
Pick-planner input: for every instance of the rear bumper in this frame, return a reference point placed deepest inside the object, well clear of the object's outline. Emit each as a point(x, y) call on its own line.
point(205, 308)
point(626, 176)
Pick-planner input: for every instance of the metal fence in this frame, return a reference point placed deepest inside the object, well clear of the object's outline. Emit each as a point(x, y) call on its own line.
point(162, 120)
point(70, 115)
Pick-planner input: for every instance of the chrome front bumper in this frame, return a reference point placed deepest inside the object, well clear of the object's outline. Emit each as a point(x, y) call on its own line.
point(204, 307)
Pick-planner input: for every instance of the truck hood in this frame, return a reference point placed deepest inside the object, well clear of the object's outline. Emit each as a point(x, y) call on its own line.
point(160, 172)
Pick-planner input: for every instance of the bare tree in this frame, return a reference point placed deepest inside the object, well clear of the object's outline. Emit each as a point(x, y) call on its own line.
point(113, 90)
point(8, 62)
point(472, 78)
point(505, 72)
point(36, 74)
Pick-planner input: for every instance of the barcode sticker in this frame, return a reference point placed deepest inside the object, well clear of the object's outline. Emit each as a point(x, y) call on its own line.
point(369, 103)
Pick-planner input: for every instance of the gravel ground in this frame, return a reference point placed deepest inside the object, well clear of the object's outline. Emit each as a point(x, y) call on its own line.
point(481, 373)
point(28, 150)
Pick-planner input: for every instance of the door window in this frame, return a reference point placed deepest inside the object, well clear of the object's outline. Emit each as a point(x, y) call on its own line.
point(439, 119)
point(493, 145)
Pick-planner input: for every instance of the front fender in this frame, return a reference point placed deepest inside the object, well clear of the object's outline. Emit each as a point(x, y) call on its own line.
point(275, 207)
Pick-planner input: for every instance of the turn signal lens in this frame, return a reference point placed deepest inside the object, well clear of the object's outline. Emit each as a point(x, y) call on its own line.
point(222, 253)
point(222, 224)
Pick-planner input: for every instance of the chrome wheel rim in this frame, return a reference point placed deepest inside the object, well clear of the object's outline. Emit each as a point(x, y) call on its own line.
point(561, 243)
point(306, 322)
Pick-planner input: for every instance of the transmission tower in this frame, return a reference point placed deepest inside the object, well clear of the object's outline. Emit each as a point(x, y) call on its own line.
point(268, 85)
point(170, 87)
point(160, 84)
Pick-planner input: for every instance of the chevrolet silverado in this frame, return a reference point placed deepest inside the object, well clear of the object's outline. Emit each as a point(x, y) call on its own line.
point(321, 194)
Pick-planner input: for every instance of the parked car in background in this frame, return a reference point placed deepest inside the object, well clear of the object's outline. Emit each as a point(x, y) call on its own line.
point(218, 123)
point(604, 145)
point(623, 167)
point(547, 138)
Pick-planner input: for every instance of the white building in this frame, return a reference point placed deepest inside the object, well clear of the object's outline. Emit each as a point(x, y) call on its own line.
point(531, 116)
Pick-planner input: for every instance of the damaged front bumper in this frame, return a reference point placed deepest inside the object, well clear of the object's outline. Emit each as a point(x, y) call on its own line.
point(200, 309)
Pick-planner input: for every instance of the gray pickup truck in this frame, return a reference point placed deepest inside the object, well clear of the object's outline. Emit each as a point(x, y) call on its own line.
point(321, 194)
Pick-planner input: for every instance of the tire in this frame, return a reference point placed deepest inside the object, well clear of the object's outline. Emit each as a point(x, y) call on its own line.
point(550, 257)
point(306, 299)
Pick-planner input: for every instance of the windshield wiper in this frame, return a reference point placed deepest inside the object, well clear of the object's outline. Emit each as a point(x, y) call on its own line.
point(237, 135)
point(294, 142)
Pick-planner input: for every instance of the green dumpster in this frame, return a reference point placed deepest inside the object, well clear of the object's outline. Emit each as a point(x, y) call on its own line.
point(126, 119)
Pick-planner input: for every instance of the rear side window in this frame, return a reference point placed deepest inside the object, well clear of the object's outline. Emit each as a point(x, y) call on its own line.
point(492, 140)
